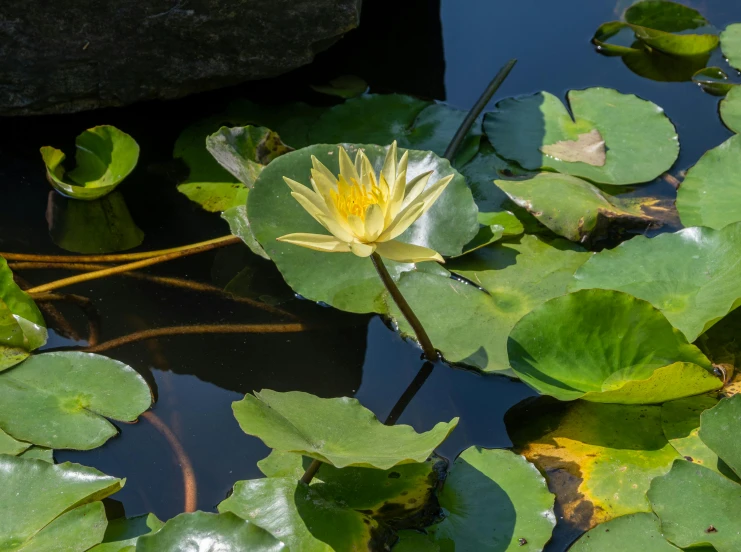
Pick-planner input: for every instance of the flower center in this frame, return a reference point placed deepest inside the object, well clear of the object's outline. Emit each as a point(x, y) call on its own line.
point(354, 199)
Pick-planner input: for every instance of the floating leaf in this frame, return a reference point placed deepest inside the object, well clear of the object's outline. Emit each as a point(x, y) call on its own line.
point(572, 207)
point(60, 400)
point(730, 43)
point(494, 501)
point(718, 426)
point(588, 148)
point(392, 495)
point(345, 86)
point(653, 64)
point(22, 328)
point(201, 531)
point(215, 197)
point(99, 226)
point(344, 280)
point(495, 226)
point(11, 446)
point(730, 109)
point(634, 532)
point(338, 431)
point(599, 459)
point(713, 80)
point(298, 515)
point(38, 453)
point(471, 326)
point(122, 534)
point(641, 141)
point(240, 226)
point(692, 276)
point(664, 26)
point(412, 541)
point(51, 507)
point(710, 195)
point(697, 506)
point(606, 346)
point(104, 156)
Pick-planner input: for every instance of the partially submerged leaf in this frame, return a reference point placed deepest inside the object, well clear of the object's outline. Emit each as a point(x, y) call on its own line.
point(606, 346)
point(494, 501)
point(302, 518)
point(60, 400)
point(599, 459)
point(641, 142)
point(692, 276)
point(240, 226)
point(104, 156)
point(201, 531)
point(344, 86)
point(338, 431)
point(588, 148)
point(713, 80)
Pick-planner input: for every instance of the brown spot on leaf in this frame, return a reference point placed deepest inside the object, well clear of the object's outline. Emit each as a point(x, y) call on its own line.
point(588, 148)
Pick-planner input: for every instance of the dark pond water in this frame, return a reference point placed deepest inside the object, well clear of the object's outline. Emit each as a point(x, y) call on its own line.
point(197, 377)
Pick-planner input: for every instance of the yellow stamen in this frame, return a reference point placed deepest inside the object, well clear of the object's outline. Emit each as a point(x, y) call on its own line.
point(354, 199)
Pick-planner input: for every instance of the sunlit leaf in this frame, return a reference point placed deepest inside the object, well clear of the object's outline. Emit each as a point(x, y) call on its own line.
point(653, 64)
point(641, 141)
point(606, 346)
point(631, 532)
point(240, 226)
point(99, 226)
point(122, 534)
point(717, 427)
point(730, 43)
point(338, 431)
point(51, 507)
point(60, 400)
point(599, 459)
point(302, 518)
point(215, 197)
point(344, 280)
point(713, 80)
point(11, 446)
point(104, 156)
point(494, 501)
point(730, 109)
point(692, 276)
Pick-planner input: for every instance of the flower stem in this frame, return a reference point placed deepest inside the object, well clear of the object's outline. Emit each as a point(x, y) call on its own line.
point(476, 110)
point(424, 340)
point(311, 471)
point(216, 242)
point(132, 266)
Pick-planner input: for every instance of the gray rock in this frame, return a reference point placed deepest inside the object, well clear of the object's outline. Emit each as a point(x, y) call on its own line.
point(73, 55)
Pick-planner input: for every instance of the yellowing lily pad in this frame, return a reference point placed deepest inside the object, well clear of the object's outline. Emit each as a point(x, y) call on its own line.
point(104, 156)
point(60, 400)
point(606, 346)
point(640, 140)
point(599, 459)
point(338, 431)
point(692, 276)
point(344, 280)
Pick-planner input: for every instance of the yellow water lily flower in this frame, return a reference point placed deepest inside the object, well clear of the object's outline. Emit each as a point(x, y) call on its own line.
point(364, 212)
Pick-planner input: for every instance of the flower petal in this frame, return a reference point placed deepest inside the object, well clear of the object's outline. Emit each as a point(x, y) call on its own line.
point(373, 222)
point(403, 221)
point(415, 187)
point(363, 249)
point(357, 226)
point(347, 169)
point(310, 194)
point(407, 253)
point(389, 164)
point(318, 242)
point(323, 218)
point(396, 197)
point(319, 166)
point(430, 195)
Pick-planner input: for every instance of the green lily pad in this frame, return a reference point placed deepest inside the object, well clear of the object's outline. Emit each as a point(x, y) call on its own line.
point(22, 328)
point(666, 26)
point(730, 109)
point(713, 80)
point(691, 276)
point(697, 506)
point(38, 453)
point(344, 86)
point(640, 141)
point(572, 207)
point(413, 541)
point(653, 64)
point(709, 195)
point(606, 346)
point(599, 459)
point(392, 495)
point(680, 421)
point(215, 197)
point(381, 119)
point(11, 446)
point(95, 227)
point(344, 280)
point(634, 532)
point(60, 400)
point(517, 276)
point(201, 531)
point(104, 156)
point(298, 515)
point(718, 426)
point(730, 43)
point(338, 431)
point(51, 507)
point(494, 501)
point(495, 226)
point(240, 226)
point(122, 534)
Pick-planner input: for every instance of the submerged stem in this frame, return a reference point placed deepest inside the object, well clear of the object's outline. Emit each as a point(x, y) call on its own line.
point(131, 266)
point(216, 242)
point(87, 306)
point(406, 310)
point(477, 108)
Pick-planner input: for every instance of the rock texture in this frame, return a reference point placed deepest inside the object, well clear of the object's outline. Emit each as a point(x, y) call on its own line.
point(58, 57)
